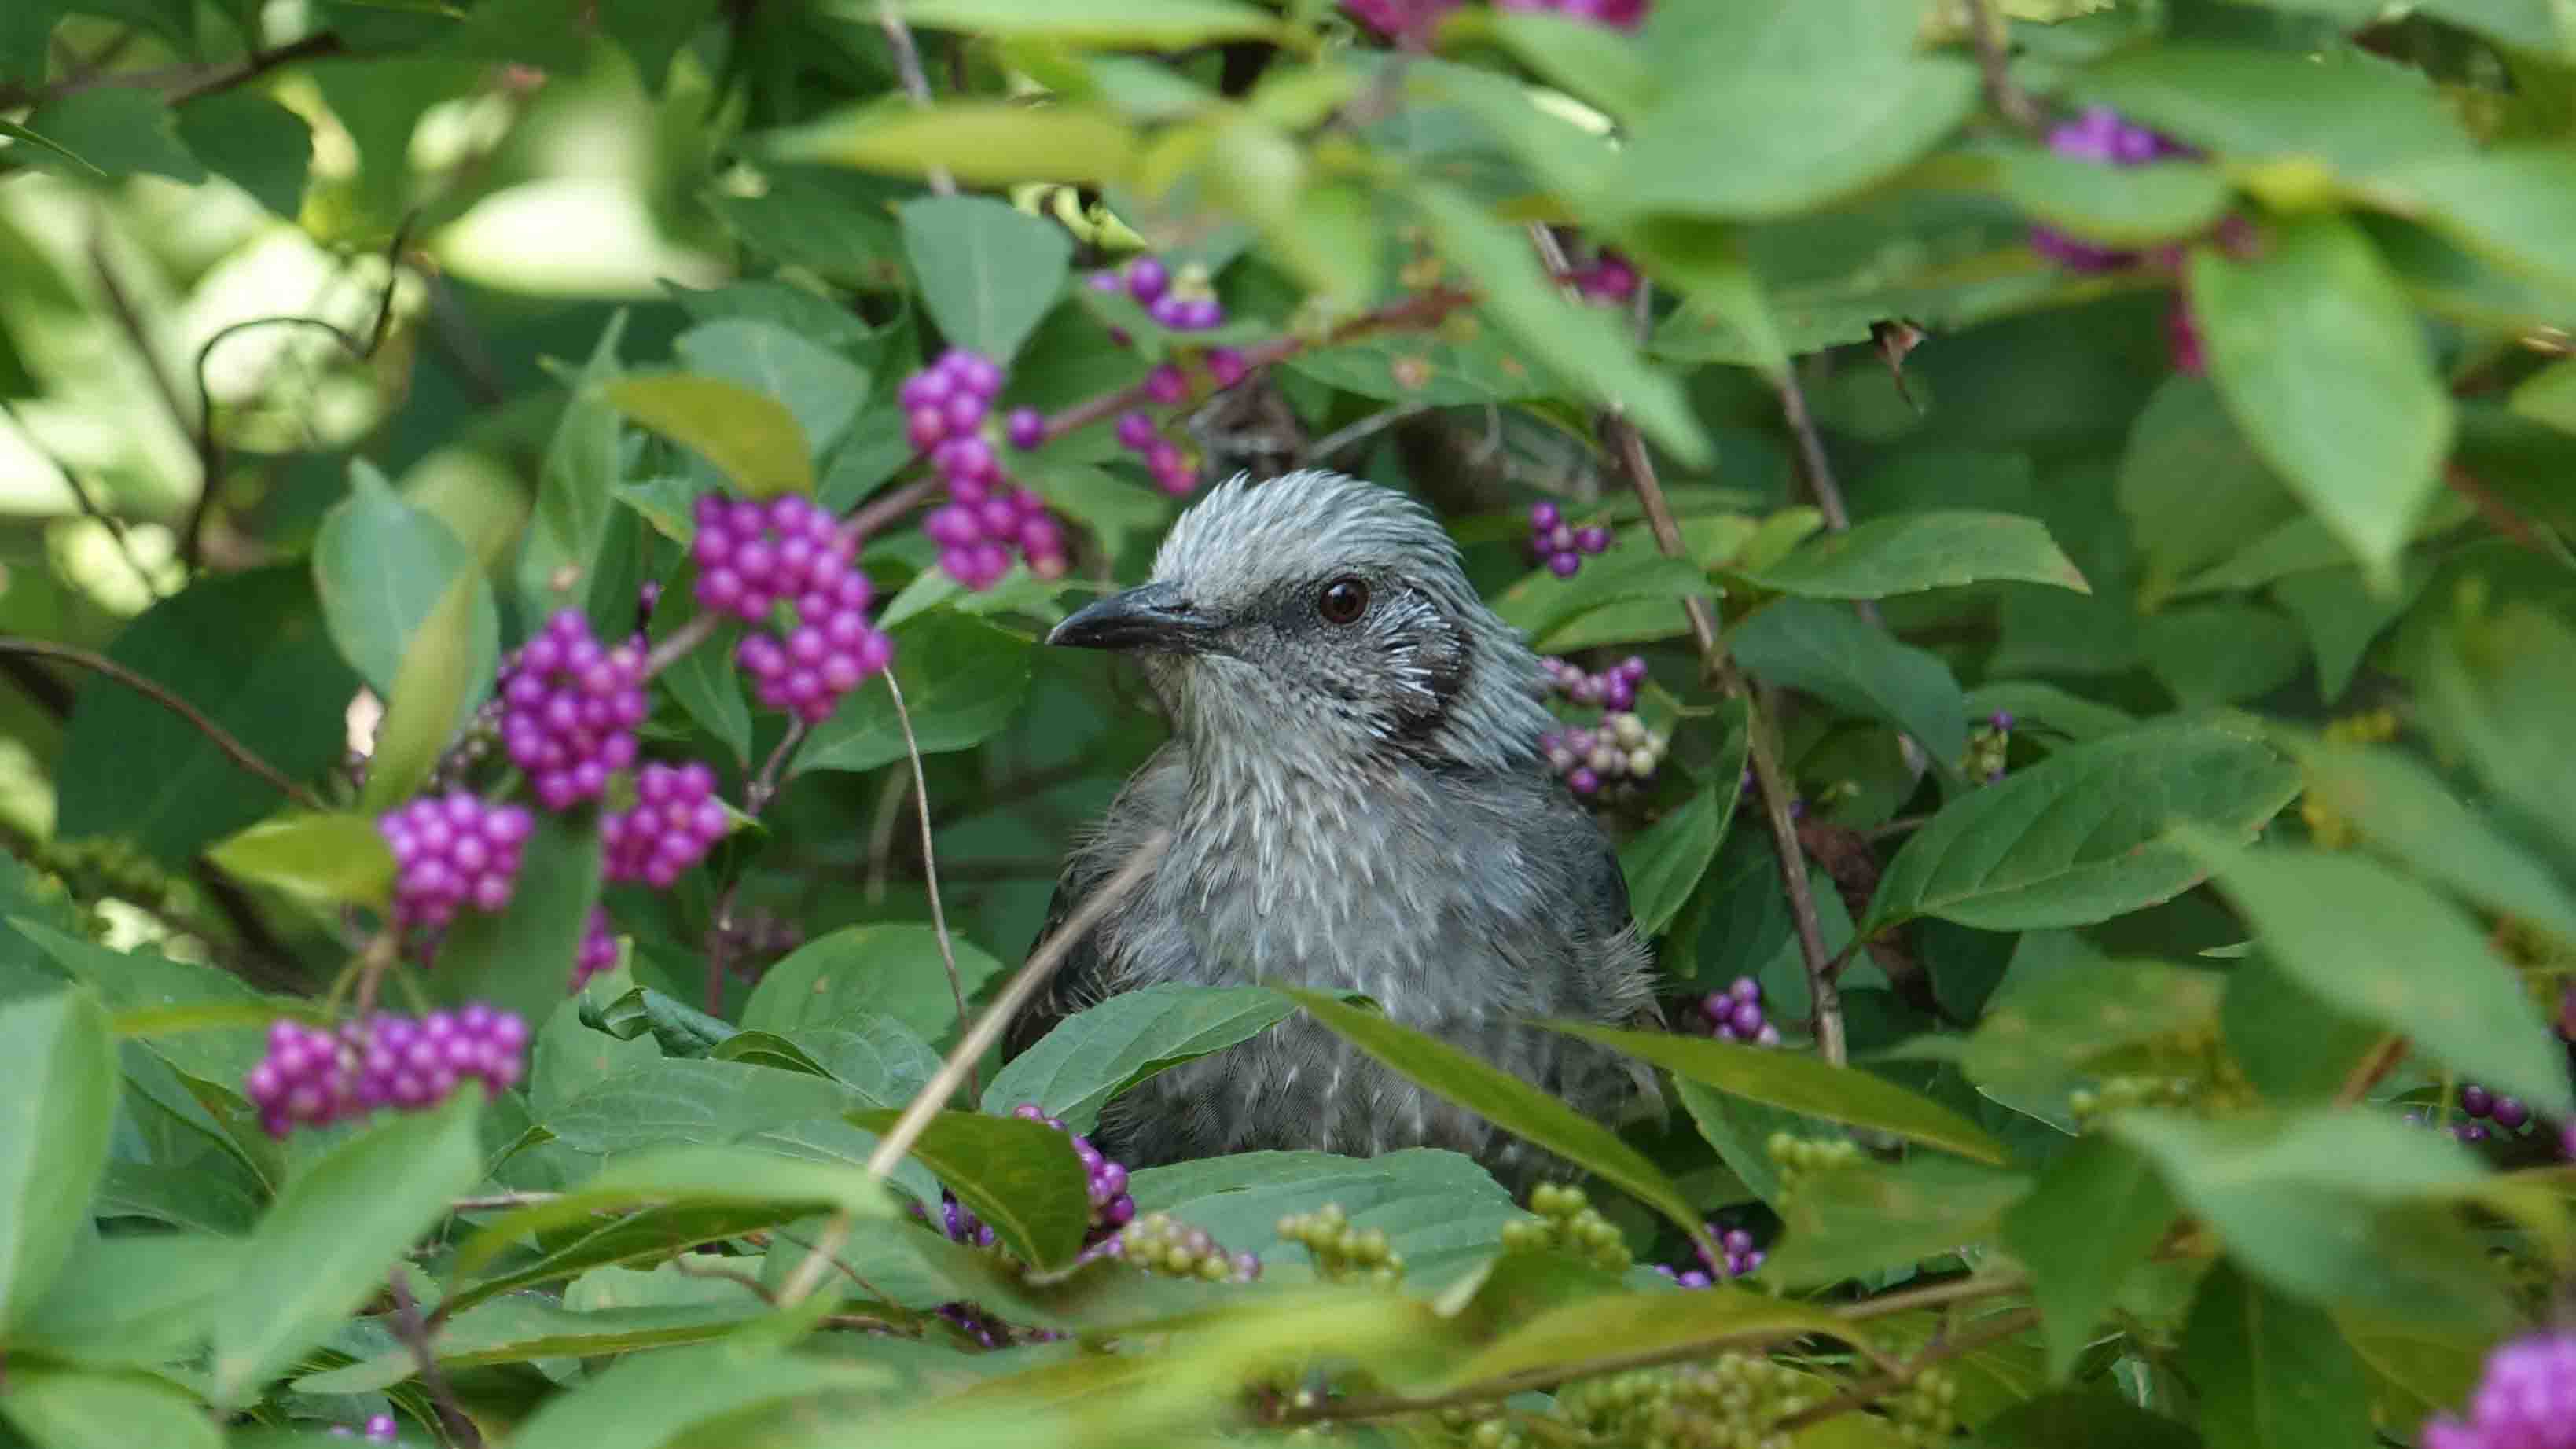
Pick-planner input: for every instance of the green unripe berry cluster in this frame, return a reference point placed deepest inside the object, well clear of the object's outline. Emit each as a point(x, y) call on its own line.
point(1735, 1401)
point(1567, 1222)
point(1162, 1244)
point(1799, 1158)
point(1342, 1253)
point(1925, 1411)
point(2119, 1094)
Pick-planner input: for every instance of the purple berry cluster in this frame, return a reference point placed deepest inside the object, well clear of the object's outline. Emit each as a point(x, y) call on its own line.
point(1560, 546)
point(1613, 688)
point(569, 710)
point(598, 948)
point(1111, 1207)
point(1621, 751)
point(1172, 470)
point(379, 1429)
point(1177, 303)
point(2099, 135)
point(1740, 1257)
point(1735, 1014)
point(312, 1078)
point(1617, 14)
point(987, 518)
point(676, 820)
point(452, 851)
point(2489, 1115)
point(2525, 1400)
point(753, 557)
point(1609, 277)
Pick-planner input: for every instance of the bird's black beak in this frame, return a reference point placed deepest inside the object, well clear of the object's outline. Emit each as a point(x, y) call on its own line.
point(1154, 618)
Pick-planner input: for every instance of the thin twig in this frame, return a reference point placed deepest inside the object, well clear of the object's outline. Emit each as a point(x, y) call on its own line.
point(680, 641)
point(755, 797)
point(846, 1271)
point(1870, 1391)
point(1994, 57)
point(500, 1202)
point(129, 320)
point(686, 1269)
point(414, 1334)
point(189, 81)
point(1933, 1295)
point(930, 873)
point(1811, 453)
point(978, 1039)
point(239, 753)
point(916, 82)
point(1323, 449)
point(90, 507)
point(2367, 1073)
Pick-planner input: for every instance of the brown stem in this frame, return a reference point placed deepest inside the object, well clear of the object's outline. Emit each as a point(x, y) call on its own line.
point(755, 797)
point(1994, 57)
point(2368, 1072)
point(681, 640)
point(239, 753)
point(930, 872)
point(188, 82)
point(916, 82)
point(1870, 1391)
point(414, 1334)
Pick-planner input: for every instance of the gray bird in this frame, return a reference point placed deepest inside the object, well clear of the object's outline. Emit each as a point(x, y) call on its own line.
point(1356, 802)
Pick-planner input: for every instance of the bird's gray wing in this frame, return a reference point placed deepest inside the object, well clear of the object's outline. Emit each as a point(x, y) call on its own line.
point(1150, 800)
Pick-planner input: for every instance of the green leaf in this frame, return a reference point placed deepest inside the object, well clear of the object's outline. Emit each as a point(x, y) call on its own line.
point(2268, 1372)
point(751, 438)
point(963, 680)
point(2316, 352)
point(652, 1235)
point(2516, 204)
point(438, 682)
point(1809, 1085)
point(381, 569)
point(521, 959)
point(2083, 1419)
point(2085, 834)
point(823, 389)
point(2123, 206)
point(2096, 1213)
point(1905, 553)
point(1664, 863)
point(1806, 135)
point(138, 1298)
point(881, 1058)
point(526, 1327)
point(325, 1246)
point(2414, 1371)
point(2335, 1206)
point(69, 1409)
point(253, 142)
point(53, 1137)
point(2346, 111)
point(248, 650)
point(2043, 1033)
point(988, 271)
point(2295, 1049)
point(1019, 1176)
point(1830, 652)
point(1506, 1101)
point(1092, 1056)
point(648, 1400)
point(679, 1029)
point(683, 1102)
point(1643, 1323)
point(1580, 344)
point(1847, 1221)
point(989, 143)
point(706, 684)
point(2404, 812)
point(2493, 687)
point(1139, 24)
point(576, 500)
point(891, 969)
point(1544, 607)
point(705, 1175)
point(1439, 1209)
point(1590, 61)
point(145, 981)
point(2381, 946)
point(117, 130)
point(336, 859)
point(2549, 396)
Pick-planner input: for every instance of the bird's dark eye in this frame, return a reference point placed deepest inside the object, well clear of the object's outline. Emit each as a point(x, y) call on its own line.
point(1343, 601)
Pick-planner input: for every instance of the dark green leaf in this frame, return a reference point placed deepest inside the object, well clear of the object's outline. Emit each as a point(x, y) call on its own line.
point(2317, 354)
point(749, 436)
point(1019, 1176)
point(1810, 1085)
point(53, 1137)
point(881, 1058)
point(337, 859)
point(2493, 688)
point(253, 142)
point(1826, 650)
point(2403, 811)
point(326, 1244)
point(679, 1029)
point(1664, 863)
point(524, 1327)
point(988, 272)
point(1904, 553)
point(1505, 1100)
point(1092, 1056)
point(962, 682)
point(821, 388)
point(707, 685)
point(381, 568)
point(2088, 1419)
point(697, 1103)
point(2096, 1213)
point(648, 1236)
point(146, 981)
point(119, 130)
point(888, 969)
point(2270, 1373)
point(2042, 1033)
point(2389, 951)
point(249, 651)
point(2295, 1049)
point(521, 959)
point(703, 1175)
point(576, 498)
point(1545, 607)
point(649, 1400)
point(2086, 834)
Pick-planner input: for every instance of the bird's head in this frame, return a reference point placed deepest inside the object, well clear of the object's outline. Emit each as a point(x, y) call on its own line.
point(1329, 616)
